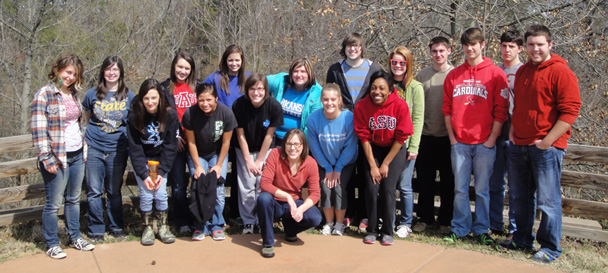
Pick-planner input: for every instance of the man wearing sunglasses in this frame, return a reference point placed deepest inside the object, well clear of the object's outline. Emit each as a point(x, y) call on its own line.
point(434, 150)
point(475, 105)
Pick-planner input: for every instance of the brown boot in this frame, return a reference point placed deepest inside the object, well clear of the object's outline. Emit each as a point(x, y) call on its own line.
point(164, 233)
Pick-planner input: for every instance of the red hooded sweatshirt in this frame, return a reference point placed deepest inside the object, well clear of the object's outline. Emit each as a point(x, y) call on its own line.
point(544, 94)
point(475, 97)
point(383, 124)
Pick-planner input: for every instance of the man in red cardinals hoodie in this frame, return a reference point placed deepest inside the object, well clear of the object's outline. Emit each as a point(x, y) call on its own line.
point(546, 102)
point(475, 106)
point(382, 122)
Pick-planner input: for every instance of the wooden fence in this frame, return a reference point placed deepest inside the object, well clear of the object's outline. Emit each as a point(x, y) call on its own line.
point(570, 206)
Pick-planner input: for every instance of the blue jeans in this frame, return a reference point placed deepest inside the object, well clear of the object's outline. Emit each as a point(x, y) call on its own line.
point(535, 171)
point(406, 194)
point(480, 160)
point(146, 197)
point(179, 191)
point(217, 220)
point(65, 183)
point(105, 170)
point(497, 187)
point(269, 210)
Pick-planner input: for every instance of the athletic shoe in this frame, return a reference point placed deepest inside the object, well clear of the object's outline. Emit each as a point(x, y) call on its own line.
point(248, 229)
point(452, 238)
point(369, 239)
point(96, 238)
point(268, 252)
point(485, 239)
point(403, 231)
point(419, 227)
point(82, 245)
point(338, 229)
point(346, 222)
point(326, 230)
point(219, 235)
point(119, 235)
point(56, 252)
point(198, 235)
point(363, 225)
point(387, 240)
point(511, 245)
point(541, 256)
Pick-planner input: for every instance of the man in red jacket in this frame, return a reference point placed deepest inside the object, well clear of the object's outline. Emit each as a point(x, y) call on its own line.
point(475, 106)
point(546, 103)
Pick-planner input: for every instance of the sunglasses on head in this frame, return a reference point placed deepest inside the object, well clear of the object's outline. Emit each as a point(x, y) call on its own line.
point(395, 62)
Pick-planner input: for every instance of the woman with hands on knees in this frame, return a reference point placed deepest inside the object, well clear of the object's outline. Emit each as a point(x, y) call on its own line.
point(333, 144)
point(257, 115)
point(383, 124)
point(152, 128)
point(208, 125)
point(58, 136)
point(287, 170)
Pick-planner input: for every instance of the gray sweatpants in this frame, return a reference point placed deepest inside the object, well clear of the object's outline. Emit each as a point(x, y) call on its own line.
point(249, 188)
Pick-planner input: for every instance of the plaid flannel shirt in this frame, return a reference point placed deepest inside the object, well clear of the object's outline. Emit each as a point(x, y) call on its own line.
point(48, 126)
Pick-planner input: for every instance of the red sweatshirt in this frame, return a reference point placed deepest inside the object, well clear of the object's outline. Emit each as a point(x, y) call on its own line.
point(277, 176)
point(475, 97)
point(544, 94)
point(383, 124)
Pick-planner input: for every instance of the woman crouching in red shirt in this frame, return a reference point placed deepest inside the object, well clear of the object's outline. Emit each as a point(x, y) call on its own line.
point(287, 170)
point(382, 122)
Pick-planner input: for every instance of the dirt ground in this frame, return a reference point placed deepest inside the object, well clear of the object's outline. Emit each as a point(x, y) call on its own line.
point(241, 253)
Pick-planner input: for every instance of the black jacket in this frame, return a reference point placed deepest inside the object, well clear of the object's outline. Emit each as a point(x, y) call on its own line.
point(335, 74)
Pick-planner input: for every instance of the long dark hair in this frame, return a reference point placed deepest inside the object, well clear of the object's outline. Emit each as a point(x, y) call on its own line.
point(122, 91)
point(191, 80)
point(224, 69)
point(142, 117)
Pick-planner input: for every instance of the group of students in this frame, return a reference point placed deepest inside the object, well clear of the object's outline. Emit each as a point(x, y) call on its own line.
point(364, 127)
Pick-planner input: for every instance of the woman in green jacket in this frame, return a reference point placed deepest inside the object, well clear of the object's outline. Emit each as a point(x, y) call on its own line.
point(401, 62)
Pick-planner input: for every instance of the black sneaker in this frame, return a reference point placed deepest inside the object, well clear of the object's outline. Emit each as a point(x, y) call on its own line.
point(96, 238)
point(119, 235)
point(82, 245)
point(511, 245)
point(485, 239)
point(452, 238)
point(542, 257)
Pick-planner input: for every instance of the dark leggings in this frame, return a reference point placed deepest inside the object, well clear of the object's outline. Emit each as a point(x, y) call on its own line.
point(380, 198)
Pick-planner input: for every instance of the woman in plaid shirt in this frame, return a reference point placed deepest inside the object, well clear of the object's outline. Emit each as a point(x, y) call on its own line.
point(57, 135)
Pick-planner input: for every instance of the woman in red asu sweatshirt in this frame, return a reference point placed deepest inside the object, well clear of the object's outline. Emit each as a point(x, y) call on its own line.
point(382, 122)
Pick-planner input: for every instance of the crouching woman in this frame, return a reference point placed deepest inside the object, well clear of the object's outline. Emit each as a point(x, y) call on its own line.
point(287, 169)
point(152, 131)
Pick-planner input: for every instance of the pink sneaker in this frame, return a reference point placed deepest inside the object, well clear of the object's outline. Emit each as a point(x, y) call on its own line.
point(363, 224)
point(346, 222)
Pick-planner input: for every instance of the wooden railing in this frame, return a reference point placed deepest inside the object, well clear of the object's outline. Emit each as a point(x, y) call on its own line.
point(570, 206)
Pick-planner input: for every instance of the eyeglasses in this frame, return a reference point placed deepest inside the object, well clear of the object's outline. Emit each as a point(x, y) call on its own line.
point(395, 62)
point(293, 145)
point(261, 89)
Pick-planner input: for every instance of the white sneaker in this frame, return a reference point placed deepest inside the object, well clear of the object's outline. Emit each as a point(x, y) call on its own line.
point(338, 229)
point(248, 229)
point(419, 227)
point(83, 245)
point(403, 231)
point(326, 230)
point(56, 252)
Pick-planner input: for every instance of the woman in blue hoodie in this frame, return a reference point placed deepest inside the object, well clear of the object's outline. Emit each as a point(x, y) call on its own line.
point(333, 144)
